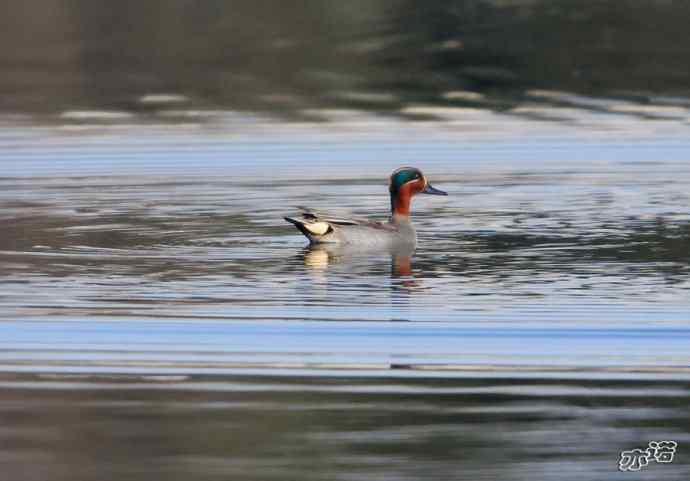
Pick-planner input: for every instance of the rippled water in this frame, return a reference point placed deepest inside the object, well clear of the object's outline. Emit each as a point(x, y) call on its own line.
point(540, 327)
point(315, 428)
point(552, 230)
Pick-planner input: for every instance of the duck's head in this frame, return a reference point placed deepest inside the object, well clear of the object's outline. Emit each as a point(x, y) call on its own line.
point(404, 183)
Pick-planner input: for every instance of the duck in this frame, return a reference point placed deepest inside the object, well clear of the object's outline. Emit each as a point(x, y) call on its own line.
point(404, 183)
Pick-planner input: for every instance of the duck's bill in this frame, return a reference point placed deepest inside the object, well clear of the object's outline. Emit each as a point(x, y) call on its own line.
point(433, 190)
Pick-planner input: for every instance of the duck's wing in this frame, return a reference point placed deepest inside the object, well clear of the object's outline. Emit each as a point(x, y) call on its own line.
point(316, 216)
point(318, 226)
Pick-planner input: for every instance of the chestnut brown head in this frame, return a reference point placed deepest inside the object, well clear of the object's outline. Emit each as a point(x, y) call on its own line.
point(406, 182)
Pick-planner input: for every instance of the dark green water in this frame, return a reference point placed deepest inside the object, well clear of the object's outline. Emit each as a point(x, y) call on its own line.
point(315, 428)
point(376, 55)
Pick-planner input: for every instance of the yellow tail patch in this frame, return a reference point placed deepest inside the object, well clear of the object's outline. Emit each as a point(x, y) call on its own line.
point(317, 228)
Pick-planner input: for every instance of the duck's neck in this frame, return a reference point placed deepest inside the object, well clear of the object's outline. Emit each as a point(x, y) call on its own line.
point(400, 203)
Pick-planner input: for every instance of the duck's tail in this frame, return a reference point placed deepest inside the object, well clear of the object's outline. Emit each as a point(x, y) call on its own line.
point(313, 230)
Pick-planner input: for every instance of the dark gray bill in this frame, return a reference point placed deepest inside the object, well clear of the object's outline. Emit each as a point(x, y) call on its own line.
point(433, 190)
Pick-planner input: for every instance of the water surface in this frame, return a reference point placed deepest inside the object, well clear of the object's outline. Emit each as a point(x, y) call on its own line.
point(151, 295)
point(159, 319)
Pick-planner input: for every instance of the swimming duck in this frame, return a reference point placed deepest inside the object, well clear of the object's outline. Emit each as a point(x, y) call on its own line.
point(404, 183)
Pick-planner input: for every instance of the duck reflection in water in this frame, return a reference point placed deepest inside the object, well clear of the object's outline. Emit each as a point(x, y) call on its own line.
point(319, 257)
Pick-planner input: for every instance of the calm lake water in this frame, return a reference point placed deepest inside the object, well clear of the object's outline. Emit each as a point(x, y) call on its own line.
point(161, 321)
